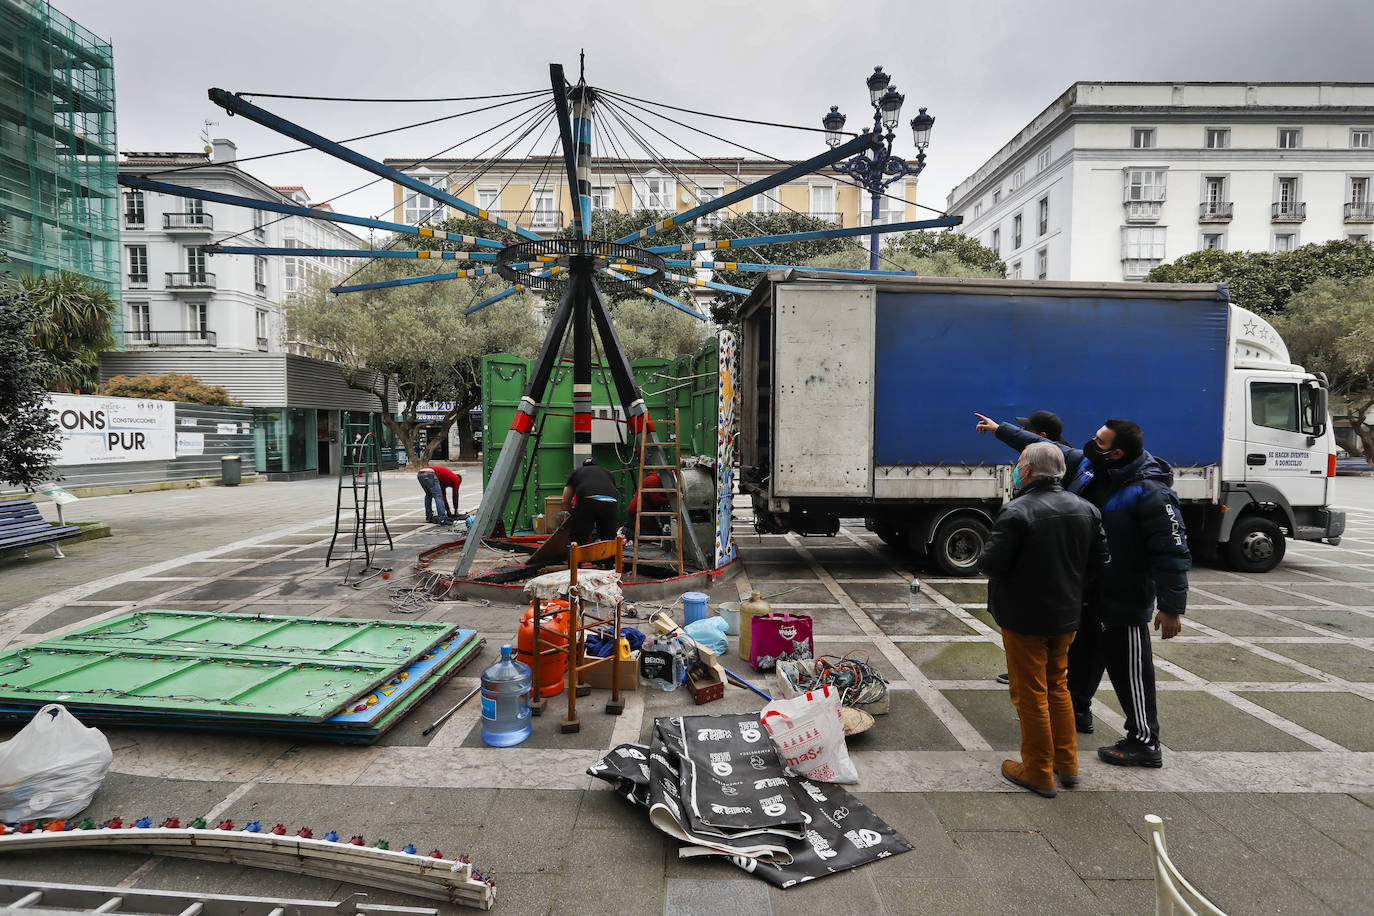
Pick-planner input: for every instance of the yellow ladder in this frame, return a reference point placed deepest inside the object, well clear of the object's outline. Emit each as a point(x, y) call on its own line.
point(675, 500)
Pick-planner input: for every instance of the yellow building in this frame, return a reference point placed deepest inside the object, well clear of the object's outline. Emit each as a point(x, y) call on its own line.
point(533, 193)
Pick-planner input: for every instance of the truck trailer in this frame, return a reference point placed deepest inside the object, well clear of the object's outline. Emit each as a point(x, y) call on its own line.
point(858, 394)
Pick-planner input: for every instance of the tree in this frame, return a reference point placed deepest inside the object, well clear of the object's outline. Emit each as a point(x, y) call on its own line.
point(1265, 281)
point(172, 386)
point(1329, 327)
point(414, 342)
point(74, 321)
point(925, 254)
point(28, 433)
point(747, 225)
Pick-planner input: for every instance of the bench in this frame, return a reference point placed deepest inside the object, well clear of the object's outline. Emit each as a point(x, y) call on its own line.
point(23, 526)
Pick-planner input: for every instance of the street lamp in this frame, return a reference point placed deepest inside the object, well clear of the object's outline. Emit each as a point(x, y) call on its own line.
point(876, 168)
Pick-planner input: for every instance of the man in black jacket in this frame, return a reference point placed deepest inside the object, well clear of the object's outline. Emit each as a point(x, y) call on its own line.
point(1149, 572)
point(1044, 546)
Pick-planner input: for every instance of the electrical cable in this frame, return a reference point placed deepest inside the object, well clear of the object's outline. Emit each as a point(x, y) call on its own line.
point(379, 133)
point(337, 98)
point(847, 241)
point(706, 114)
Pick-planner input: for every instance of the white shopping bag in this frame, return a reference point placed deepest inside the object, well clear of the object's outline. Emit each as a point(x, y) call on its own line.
point(52, 767)
point(808, 731)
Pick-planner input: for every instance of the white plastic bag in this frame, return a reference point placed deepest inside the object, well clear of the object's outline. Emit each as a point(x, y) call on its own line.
point(808, 731)
point(52, 767)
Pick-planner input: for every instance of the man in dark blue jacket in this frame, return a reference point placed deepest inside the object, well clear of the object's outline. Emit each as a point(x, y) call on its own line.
point(1149, 570)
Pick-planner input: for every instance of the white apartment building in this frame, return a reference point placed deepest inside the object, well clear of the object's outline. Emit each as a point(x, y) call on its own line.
point(177, 295)
point(220, 317)
point(1113, 179)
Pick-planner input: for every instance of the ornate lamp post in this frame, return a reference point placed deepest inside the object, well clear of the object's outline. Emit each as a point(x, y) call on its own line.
point(877, 168)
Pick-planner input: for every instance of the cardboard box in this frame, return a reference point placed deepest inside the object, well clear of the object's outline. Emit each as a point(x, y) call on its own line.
point(600, 676)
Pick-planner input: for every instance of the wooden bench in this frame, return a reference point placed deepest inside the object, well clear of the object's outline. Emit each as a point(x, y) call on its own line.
point(22, 526)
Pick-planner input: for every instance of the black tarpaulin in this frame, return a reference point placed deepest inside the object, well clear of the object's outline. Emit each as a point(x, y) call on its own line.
point(716, 784)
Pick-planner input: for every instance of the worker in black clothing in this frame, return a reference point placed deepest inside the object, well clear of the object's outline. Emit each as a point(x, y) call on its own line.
point(590, 497)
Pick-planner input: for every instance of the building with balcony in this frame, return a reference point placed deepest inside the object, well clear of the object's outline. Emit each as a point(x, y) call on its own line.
point(220, 318)
point(533, 192)
point(1113, 179)
point(58, 196)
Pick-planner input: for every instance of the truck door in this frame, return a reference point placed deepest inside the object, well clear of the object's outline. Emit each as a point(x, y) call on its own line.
point(1283, 417)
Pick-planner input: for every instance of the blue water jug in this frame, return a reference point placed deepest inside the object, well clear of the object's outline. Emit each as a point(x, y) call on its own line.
point(506, 701)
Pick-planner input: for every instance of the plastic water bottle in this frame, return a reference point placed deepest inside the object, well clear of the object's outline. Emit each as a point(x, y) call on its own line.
point(661, 664)
point(914, 598)
point(506, 701)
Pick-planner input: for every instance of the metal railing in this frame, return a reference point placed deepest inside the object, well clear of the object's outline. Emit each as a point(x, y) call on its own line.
point(532, 219)
point(1359, 212)
point(829, 216)
point(138, 279)
point(1288, 211)
point(1215, 210)
point(262, 343)
point(191, 280)
point(170, 339)
point(133, 219)
point(202, 222)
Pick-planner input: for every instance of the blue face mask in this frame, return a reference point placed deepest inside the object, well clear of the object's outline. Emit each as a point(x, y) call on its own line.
point(1016, 477)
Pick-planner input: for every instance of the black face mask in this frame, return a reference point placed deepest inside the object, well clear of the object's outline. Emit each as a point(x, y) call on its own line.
point(1098, 458)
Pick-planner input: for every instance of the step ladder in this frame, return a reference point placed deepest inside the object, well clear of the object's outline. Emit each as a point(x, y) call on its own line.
point(41, 896)
point(361, 509)
point(674, 510)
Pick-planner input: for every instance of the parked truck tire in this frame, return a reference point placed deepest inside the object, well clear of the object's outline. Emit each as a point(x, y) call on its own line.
point(957, 543)
point(1256, 545)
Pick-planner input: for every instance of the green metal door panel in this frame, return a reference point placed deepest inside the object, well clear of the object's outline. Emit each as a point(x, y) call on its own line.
point(207, 684)
point(318, 639)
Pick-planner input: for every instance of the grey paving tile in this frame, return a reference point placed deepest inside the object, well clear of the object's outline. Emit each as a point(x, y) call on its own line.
point(916, 896)
point(367, 810)
point(66, 616)
point(910, 725)
point(968, 591)
point(991, 713)
point(716, 897)
point(1235, 621)
point(1349, 662)
point(1023, 866)
point(842, 571)
point(137, 590)
point(1345, 718)
point(957, 660)
point(1343, 895)
point(979, 811)
point(927, 621)
point(1225, 663)
point(1089, 836)
point(105, 870)
point(764, 571)
point(222, 589)
point(866, 593)
point(222, 878)
point(1123, 896)
point(1342, 623)
point(546, 729)
point(1191, 720)
point(525, 894)
point(933, 854)
point(527, 831)
point(1289, 844)
point(635, 860)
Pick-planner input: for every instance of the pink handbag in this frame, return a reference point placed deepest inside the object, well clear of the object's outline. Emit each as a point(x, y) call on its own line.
point(779, 637)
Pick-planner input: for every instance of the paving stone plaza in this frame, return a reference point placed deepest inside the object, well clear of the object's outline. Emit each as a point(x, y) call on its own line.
point(1266, 706)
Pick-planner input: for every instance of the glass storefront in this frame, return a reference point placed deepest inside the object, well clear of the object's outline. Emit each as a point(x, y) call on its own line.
point(284, 440)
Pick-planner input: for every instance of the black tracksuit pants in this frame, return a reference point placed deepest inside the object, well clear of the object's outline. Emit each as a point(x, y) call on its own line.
point(1124, 653)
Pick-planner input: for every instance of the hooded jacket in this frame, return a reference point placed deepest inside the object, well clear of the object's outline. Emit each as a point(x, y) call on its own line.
point(1043, 548)
point(1145, 531)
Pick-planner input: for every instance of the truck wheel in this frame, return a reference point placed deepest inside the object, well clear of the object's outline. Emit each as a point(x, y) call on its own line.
point(958, 542)
point(1256, 545)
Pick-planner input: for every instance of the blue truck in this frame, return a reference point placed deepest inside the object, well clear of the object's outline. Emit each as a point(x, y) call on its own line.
point(857, 400)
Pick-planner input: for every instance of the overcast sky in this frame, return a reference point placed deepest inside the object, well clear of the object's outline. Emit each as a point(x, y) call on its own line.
point(984, 69)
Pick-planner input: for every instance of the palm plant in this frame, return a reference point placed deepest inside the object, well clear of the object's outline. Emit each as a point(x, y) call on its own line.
point(73, 325)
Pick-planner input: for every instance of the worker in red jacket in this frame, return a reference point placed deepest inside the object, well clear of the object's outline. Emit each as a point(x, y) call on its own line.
point(651, 502)
point(435, 480)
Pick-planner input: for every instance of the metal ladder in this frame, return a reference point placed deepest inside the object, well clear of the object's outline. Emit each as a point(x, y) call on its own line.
point(81, 898)
point(675, 500)
point(360, 475)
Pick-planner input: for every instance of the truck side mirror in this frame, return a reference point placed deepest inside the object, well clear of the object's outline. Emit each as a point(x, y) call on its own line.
point(1317, 404)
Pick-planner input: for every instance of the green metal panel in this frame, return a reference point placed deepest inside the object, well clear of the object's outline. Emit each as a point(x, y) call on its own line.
point(318, 639)
point(687, 384)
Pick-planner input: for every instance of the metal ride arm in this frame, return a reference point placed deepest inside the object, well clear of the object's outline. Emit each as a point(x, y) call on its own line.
point(650, 291)
point(253, 203)
point(369, 253)
point(815, 163)
point(237, 106)
point(513, 449)
point(573, 160)
point(636, 413)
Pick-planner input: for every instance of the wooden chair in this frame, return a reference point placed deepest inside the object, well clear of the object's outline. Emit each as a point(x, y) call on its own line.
point(581, 619)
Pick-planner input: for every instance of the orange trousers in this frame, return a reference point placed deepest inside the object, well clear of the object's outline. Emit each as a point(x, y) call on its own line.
point(1040, 693)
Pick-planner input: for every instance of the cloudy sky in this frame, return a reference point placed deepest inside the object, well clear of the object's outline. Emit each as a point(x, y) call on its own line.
point(982, 68)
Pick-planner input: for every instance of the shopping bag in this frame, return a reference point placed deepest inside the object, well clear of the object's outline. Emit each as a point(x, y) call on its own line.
point(808, 731)
point(779, 637)
point(52, 767)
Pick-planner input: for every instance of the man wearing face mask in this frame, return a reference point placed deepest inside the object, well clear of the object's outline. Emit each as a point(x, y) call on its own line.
point(1149, 567)
point(1043, 548)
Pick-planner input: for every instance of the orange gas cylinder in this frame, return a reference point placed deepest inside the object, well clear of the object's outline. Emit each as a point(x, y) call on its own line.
point(553, 667)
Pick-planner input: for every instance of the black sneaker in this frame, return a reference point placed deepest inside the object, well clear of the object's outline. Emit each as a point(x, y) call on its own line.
point(1129, 752)
point(1083, 721)
point(1004, 678)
